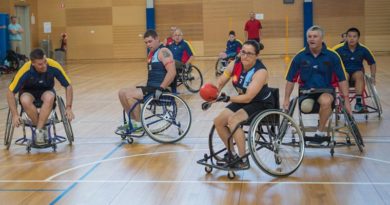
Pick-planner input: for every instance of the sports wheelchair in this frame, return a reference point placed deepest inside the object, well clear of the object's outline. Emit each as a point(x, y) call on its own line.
point(349, 128)
point(53, 137)
point(370, 97)
point(222, 63)
point(268, 137)
point(190, 76)
point(165, 120)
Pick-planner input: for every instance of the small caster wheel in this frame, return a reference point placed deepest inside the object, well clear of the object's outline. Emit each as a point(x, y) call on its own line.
point(208, 169)
point(54, 147)
point(331, 152)
point(28, 148)
point(366, 117)
point(348, 140)
point(130, 140)
point(231, 175)
point(205, 156)
point(123, 137)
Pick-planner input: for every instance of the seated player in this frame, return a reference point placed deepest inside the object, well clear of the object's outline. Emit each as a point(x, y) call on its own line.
point(35, 84)
point(233, 47)
point(181, 49)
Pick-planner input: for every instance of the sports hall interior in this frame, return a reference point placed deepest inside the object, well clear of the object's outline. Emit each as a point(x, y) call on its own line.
point(106, 52)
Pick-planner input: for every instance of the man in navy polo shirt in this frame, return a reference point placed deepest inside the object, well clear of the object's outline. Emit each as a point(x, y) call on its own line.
point(314, 67)
point(181, 49)
point(353, 53)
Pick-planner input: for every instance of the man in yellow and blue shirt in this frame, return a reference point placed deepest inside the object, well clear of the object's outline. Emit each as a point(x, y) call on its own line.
point(35, 84)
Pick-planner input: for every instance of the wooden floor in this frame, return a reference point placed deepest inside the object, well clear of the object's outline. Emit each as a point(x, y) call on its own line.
point(101, 169)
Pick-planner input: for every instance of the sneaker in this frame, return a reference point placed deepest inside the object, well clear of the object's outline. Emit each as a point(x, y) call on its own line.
point(242, 163)
point(358, 107)
point(40, 137)
point(318, 140)
point(227, 159)
point(137, 126)
point(123, 128)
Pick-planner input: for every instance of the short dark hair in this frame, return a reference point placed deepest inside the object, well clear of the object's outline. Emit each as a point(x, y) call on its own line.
point(353, 29)
point(232, 33)
point(37, 54)
point(151, 33)
point(13, 17)
point(258, 46)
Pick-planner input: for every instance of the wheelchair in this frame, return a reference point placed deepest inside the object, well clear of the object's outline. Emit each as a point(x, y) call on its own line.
point(166, 120)
point(370, 97)
point(190, 76)
point(268, 137)
point(222, 63)
point(349, 129)
point(53, 137)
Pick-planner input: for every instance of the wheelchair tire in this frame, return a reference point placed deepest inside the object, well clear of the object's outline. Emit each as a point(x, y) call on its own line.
point(219, 67)
point(374, 95)
point(354, 130)
point(216, 147)
point(193, 79)
point(65, 121)
point(166, 120)
point(270, 143)
point(9, 130)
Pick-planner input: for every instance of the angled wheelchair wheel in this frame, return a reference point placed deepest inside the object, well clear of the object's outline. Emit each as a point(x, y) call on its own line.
point(354, 130)
point(166, 120)
point(374, 95)
point(192, 79)
point(9, 130)
point(219, 66)
point(65, 121)
point(276, 143)
point(216, 146)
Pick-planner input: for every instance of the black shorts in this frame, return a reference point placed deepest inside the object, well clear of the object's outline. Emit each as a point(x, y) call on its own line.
point(316, 105)
point(252, 108)
point(37, 94)
point(147, 90)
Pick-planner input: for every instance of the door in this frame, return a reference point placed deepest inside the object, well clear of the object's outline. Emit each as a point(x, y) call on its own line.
point(23, 14)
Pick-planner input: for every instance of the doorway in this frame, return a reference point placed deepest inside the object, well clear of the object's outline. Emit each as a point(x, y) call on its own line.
point(23, 15)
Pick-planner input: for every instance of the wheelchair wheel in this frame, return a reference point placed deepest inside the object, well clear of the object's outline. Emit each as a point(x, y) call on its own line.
point(192, 79)
point(219, 66)
point(65, 121)
point(9, 130)
point(276, 143)
point(354, 130)
point(166, 120)
point(374, 95)
point(216, 146)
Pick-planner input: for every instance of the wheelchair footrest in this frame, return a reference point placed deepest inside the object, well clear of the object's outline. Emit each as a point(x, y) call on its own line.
point(318, 140)
point(227, 166)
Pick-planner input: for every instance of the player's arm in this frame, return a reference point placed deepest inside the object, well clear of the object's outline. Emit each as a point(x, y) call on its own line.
point(227, 73)
point(166, 57)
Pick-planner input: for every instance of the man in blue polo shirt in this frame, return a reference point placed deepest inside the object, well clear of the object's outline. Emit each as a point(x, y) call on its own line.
point(353, 53)
point(233, 46)
point(15, 34)
point(314, 67)
point(181, 49)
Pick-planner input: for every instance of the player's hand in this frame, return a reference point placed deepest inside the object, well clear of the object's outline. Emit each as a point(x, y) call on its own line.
point(69, 114)
point(16, 120)
point(158, 93)
point(286, 104)
point(223, 98)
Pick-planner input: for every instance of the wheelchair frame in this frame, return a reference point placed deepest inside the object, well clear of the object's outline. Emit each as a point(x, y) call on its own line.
point(349, 128)
point(53, 139)
point(221, 65)
point(150, 116)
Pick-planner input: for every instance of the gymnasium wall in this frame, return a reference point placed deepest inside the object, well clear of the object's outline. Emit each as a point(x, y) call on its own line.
point(110, 29)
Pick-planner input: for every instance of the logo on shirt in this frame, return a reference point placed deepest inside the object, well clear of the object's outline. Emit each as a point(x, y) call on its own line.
point(315, 66)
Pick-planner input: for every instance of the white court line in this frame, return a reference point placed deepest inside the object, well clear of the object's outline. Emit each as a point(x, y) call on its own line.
point(167, 152)
point(197, 182)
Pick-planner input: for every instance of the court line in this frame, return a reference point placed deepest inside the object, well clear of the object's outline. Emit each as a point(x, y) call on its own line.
point(31, 190)
point(85, 175)
point(198, 182)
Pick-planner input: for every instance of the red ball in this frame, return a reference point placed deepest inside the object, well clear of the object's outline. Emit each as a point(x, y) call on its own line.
point(208, 92)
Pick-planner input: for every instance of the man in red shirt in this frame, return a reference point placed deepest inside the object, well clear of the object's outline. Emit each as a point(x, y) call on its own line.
point(252, 28)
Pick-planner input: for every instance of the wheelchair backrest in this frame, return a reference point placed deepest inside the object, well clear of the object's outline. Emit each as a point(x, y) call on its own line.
point(275, 95)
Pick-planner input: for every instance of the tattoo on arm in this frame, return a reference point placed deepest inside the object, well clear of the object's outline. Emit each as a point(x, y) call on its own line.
point(166, 54)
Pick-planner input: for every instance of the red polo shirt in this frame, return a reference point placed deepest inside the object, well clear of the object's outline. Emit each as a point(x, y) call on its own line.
point(253, 27)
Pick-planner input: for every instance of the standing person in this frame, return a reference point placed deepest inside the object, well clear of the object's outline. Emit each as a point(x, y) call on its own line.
point(253, 28)
point(315, 66)
point(35, 84)
point(181, 49)
point(161, 73)
point(168, 41)
point(353, 53)
point(15, 34)
point(250, 79)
